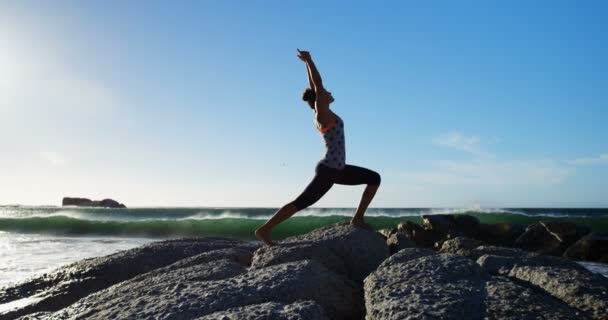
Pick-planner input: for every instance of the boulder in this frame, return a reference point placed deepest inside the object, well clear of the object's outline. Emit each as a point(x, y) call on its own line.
point(507, 300)
point(592, 247)
point(342, 248)
point(537, 238)
point(398, 241)
point(417, 284)
point(580, 289)
point(460, 246)
point(500, 234)
point(189, 297)
point(551, 238)
point(60, 288)
point(566, 232)
point(300, 310)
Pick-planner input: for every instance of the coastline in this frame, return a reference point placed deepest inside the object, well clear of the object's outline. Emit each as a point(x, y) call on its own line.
point(210, 277)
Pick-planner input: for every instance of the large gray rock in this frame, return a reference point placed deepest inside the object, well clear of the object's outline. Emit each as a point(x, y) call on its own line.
point(580, 289)
point(300, 310)
point(64, 286)
point(416, 284)
point(460, 246)
point(551, 238)
point(507, 300)
point(494, 258)
point(191, 296)
point(342, 248)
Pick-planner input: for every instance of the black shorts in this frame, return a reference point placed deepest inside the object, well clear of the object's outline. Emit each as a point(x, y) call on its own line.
point(325, 177)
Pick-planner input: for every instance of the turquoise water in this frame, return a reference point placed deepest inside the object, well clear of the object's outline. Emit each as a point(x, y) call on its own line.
point(37, 239)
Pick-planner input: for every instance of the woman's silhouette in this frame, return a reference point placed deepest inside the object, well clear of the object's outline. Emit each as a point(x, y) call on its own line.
point(332, 168)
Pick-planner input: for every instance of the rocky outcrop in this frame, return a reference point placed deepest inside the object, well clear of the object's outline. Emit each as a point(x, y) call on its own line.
point(425, 286)
point(580, 289)
point(335, 272)
point(84, 202)
point(62, 287)
point(508, 300)
point(285, 283)
point(551, 238)
point(342, 248)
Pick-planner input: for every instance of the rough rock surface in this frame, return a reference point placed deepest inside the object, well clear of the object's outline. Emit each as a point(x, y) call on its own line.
point(507, 300)
point(339, 247)
point(460, 246)
point(579, 288)
point(191, 298)
point(414, 284)
point(300, 310)
point(318, 276)
point(62, 287)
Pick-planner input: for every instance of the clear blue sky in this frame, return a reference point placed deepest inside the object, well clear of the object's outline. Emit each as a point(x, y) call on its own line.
point(197, 103)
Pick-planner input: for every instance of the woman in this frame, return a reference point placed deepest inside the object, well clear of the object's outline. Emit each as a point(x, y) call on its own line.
point(332, 168)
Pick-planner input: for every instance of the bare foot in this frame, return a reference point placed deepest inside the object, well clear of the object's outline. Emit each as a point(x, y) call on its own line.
point(263, 236)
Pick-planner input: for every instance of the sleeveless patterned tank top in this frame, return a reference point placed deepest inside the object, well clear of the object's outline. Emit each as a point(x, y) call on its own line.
point(335, 149)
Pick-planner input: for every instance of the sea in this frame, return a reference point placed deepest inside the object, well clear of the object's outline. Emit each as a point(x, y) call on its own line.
point(37, 239)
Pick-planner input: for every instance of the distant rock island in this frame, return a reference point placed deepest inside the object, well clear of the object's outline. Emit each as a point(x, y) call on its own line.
point(84, 202)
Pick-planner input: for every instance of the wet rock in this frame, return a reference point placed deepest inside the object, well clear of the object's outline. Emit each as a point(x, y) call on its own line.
point(417, 284)
point(501, 234)
point(593, 247)
point(191, 298)
point(301, 310)
point(507, 300)
point(580, 289)
point(339, 247)
point(62, 287)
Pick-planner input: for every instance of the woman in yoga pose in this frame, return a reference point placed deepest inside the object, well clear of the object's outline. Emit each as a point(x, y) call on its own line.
point(332, 168)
